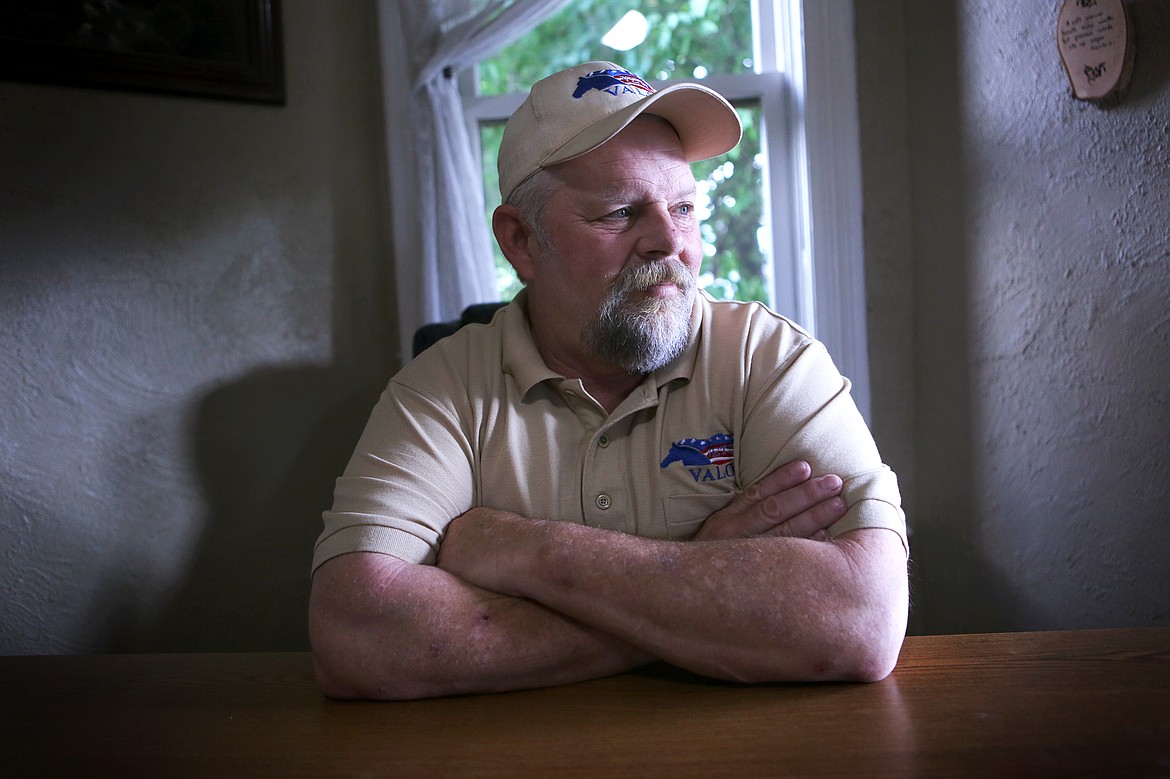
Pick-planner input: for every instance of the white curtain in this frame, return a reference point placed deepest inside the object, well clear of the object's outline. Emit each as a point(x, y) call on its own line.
point(441, 242)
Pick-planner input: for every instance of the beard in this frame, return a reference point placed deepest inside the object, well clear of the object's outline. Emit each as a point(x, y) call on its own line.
point(638, 332)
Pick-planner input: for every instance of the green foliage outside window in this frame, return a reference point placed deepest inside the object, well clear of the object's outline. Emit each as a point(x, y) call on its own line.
point(687, 40)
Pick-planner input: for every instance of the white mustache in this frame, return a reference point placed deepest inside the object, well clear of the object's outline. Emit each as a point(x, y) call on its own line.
point(651, 274)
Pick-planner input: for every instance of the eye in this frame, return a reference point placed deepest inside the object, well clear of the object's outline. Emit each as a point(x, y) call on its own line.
point(625, 212)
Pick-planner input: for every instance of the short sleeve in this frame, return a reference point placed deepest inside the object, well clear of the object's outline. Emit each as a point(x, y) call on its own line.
point(409, 476)
point(803, 410)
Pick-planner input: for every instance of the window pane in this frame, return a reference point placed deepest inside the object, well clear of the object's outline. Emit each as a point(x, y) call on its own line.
point(731, 203)
point(490, 135)
point(684, 39)
point(734, 263)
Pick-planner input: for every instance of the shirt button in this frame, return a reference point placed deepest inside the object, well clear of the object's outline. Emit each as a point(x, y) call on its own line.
point(603, 502)
point(603, 441)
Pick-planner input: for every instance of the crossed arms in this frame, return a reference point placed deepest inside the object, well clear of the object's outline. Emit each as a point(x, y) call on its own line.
point(761, 594)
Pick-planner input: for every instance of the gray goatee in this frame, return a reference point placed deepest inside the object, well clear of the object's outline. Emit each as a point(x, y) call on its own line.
point(642, 333)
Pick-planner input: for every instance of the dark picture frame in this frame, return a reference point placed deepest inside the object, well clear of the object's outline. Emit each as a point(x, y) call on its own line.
point(227, 49)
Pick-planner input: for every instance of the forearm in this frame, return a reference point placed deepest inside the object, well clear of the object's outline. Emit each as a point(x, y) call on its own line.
point(748, 609)
point(369, 643)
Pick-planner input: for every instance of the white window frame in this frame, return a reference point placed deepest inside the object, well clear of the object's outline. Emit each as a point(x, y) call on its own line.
point(806, 87)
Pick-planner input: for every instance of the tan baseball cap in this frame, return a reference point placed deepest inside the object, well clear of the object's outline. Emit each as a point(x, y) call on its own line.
point(576, 110)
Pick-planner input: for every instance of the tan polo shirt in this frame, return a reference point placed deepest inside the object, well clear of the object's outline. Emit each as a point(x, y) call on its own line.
point(479, 420)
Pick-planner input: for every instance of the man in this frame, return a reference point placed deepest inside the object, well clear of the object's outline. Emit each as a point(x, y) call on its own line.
point(617, 469)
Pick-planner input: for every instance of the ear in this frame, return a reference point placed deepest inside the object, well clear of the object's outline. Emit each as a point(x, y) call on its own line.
point(514, 240)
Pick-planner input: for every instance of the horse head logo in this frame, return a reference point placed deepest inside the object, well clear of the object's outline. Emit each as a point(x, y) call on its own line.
point(612, 81)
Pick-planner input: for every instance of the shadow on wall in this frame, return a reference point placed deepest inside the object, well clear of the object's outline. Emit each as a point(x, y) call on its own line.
point(955, 590)
point(954, 587)
point(958, 586)
point(268, 450)
point(1151, 29)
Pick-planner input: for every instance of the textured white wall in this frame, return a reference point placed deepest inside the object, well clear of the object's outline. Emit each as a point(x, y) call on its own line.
point(190, 292)
point(1040, 332)
point(1069, 225)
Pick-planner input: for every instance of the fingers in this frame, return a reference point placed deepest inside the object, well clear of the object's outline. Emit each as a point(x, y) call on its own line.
point(783, 478)
point(813, 522)
point(786, 502)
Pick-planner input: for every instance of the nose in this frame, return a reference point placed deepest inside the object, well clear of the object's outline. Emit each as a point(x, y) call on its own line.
point(659, 235)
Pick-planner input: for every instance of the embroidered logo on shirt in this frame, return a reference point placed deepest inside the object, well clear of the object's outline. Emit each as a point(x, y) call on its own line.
point(706, 459)
point(615, 82)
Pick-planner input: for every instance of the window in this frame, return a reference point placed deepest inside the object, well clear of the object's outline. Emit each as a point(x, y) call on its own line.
point(712, 41)
point(784, 207)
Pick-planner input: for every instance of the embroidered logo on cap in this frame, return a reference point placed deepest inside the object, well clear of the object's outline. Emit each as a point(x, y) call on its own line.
point(706, 459)
point(615, 82)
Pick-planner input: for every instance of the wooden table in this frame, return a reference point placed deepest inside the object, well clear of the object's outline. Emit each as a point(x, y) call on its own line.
point(1029, 704)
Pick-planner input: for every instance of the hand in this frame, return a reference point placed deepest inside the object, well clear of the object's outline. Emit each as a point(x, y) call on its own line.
point(474, 544)
point(786, 502)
